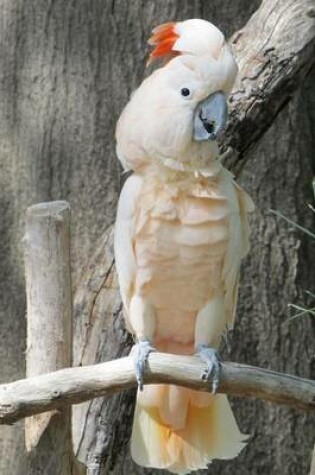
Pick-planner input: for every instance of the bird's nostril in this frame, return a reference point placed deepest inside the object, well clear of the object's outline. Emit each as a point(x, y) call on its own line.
point(209, 126)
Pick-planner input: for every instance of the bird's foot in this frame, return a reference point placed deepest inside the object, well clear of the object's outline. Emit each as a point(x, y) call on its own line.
point(140, 352)
point(213, 361)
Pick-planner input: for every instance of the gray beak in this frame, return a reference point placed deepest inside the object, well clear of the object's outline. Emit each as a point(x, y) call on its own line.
point(211, 117)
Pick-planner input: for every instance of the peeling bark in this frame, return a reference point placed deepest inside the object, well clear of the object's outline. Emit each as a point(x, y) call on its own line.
point(272, 61)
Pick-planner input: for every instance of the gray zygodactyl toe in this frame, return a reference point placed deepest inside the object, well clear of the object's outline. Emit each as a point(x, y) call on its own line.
point(140, 352)
point(213, 361)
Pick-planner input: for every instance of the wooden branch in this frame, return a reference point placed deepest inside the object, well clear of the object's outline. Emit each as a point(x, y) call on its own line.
point(274, 51)
point(74, 385)
point(49, 328)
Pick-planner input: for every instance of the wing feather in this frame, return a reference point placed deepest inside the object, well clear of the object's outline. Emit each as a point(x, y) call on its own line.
point(124, 236)
point(238, 247)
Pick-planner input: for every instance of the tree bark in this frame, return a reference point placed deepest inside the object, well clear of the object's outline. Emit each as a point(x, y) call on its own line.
point(272, 63)
point(66, 70)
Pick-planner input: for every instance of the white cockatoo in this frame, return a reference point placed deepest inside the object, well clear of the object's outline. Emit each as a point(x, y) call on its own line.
point(180, 234)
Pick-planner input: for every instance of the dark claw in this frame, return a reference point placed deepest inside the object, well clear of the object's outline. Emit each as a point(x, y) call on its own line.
point(140, 352)
point(213, 361)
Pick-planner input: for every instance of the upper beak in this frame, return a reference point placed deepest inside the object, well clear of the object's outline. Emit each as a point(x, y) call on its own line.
point(211, 117)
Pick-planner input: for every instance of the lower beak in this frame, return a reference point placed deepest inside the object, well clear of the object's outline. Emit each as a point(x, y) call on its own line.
point(210, 117)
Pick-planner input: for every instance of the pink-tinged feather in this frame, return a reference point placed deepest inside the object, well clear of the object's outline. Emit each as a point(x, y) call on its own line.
point(162, 439)
point(181, 232)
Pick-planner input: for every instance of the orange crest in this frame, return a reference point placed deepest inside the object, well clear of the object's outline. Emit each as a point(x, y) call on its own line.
point(163, 40)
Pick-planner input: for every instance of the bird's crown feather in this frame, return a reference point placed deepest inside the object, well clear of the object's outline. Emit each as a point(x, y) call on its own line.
point(195, 37)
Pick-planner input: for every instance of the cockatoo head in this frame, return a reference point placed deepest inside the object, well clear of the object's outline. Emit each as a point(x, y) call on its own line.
point(179, 111)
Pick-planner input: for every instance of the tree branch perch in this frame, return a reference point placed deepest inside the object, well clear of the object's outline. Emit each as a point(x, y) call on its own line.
point(74, 385)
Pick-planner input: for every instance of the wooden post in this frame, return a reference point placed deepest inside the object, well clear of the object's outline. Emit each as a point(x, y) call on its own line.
point(49, 329)
point(312, 472)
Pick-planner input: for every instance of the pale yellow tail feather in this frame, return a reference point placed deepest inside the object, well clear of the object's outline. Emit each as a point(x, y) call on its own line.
point(210, 433)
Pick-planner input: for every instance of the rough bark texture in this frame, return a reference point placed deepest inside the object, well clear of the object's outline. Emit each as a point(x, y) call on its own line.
point(66, 70)
point(272, 62)
point(278, 175)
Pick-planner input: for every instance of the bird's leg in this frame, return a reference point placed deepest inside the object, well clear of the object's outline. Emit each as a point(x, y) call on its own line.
point(140, 352)
point(210, 324)
point(213, 361)
point(142, 321)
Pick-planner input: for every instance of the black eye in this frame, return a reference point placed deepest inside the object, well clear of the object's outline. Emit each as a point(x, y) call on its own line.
point(185, 92)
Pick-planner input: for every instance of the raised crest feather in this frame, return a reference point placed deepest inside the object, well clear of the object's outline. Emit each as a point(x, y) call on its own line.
point(163, 40)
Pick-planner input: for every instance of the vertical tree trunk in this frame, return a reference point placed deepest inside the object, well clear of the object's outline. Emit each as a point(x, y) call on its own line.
point(66, 70)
